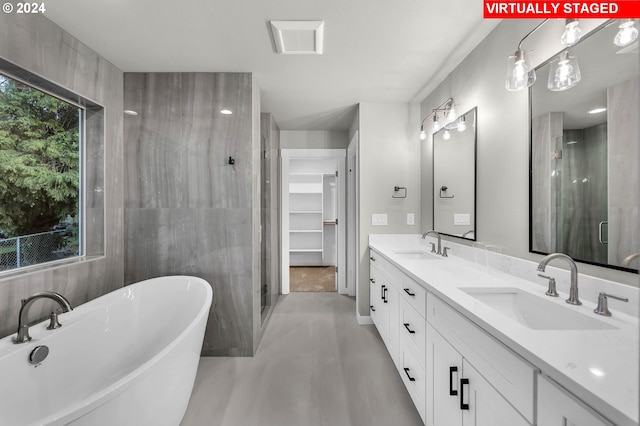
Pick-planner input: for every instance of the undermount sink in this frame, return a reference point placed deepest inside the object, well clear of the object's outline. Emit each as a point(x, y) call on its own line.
point(535, 312)
point(417, 254)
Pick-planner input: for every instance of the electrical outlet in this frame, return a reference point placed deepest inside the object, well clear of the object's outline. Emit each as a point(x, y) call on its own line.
point(411, 219)
point(378, 219)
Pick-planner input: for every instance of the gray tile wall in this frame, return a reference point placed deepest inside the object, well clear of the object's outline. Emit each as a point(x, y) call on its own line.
point(583, 203)
point(187, 211)
point(546, 134)
point(35, 44)
point(624, 200)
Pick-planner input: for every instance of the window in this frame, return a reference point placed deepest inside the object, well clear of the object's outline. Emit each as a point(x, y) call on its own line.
point(40, 176)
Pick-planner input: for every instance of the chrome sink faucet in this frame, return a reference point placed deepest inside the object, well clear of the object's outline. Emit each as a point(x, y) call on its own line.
point(439, 240)
point(573, 291)
point(23, 327)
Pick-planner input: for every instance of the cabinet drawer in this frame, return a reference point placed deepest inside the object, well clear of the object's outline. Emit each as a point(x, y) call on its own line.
point(414, 378)
point(510, 375)
point(392, 272)
point(415, 294)
point(413, 329)
point(556, 407)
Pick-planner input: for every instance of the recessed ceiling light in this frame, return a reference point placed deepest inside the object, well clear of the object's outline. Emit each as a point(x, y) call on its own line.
point(597, 110)
point(298, 37)
point(226, 111)
point(572, 142)
point(130, 112)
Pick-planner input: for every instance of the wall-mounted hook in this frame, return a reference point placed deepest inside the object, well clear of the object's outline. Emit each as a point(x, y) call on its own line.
point(398, 189)
point(232, 160)
point(443, 190)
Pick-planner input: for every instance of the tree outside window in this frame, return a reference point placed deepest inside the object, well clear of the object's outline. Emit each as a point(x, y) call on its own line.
point(39, 176)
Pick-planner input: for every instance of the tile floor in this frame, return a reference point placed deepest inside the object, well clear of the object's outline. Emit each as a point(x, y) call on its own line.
point(315, 366)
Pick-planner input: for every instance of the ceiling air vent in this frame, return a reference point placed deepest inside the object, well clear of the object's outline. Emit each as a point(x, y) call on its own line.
point(298, 37)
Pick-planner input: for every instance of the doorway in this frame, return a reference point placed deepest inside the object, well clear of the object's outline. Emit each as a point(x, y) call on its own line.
point(313, 218)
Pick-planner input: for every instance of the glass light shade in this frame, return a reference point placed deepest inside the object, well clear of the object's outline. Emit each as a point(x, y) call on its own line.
point(564, 72)
point(520, 72)
point(462, 125)
point(436, 123)
point(572, 33)
point(447, 135)
point(627, 33)
point(423, 134)
point(450, 116)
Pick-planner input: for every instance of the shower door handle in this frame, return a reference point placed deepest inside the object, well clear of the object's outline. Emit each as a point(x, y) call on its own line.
point(600, 225)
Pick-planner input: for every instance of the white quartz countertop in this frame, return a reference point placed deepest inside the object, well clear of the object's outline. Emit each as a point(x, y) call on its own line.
point(600, 367)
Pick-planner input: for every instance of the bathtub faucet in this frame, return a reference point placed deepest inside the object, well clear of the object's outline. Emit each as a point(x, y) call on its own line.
point(23, 327)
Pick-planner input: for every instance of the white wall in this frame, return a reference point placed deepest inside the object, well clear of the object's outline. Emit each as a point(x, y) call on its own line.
point(313, 139)
point(503, 136)
point(388, 157)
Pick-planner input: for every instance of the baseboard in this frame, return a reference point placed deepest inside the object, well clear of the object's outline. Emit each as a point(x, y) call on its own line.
point(364, 319)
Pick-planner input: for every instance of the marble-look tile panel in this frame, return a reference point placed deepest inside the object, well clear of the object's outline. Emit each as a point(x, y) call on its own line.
point(154, 149)
point(187, 241)
point(624, 200)
point(229, 330)
point(211, 138)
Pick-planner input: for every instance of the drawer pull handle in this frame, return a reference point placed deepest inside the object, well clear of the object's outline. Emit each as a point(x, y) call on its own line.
point(382, 291)
point(372, 280)
point(452, 391)
point(384, 295)
point(463, 382)
point(406, 325)
point(406, 371)
point(372, 308)
point(373, 259)
point(406, 290)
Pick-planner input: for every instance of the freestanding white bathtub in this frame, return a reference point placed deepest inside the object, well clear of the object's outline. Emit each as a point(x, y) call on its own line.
point(126, 358)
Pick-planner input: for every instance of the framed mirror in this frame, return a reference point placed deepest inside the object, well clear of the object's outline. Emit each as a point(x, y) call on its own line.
point(454, 178)
point(584, 155)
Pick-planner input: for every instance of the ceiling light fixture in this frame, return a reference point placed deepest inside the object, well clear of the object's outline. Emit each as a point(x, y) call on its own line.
point(597, 110)
point(520, 72)
point(627, 33)
point(564, 72)
point(572, 33)
point(226, 111)
point(450, 118)
point(130, 112)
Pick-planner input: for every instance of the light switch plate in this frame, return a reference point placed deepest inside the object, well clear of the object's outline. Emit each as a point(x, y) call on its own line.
point(461, 219)
point(411, 219)
point(378, 219)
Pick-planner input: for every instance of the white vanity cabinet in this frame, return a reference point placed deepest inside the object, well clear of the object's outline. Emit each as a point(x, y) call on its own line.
point(558, 407)
point(383, 304)
point(398, 305)
point(458, 394)
point(475, 380)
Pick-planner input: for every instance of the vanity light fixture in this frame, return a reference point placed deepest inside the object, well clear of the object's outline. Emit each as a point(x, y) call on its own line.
point(520, 71)
point(447, 135)
point(627, 33)
point(564, 72)
point(450, 118)
point(572, 33)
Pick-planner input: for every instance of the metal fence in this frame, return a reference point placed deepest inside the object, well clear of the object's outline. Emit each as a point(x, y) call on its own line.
point(33, 249)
